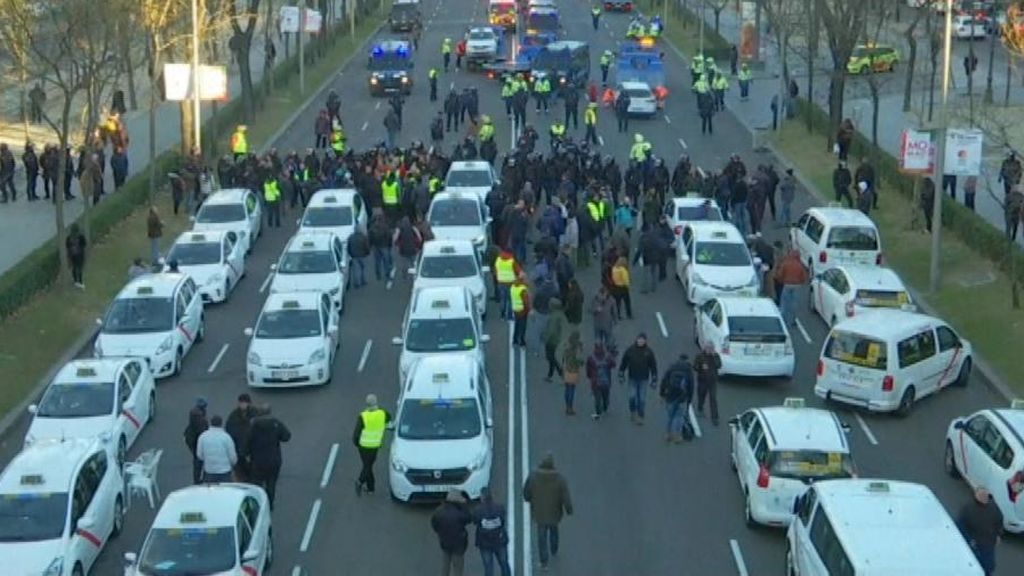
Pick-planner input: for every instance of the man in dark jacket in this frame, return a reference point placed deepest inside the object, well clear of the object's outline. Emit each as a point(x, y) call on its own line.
point(642, 367)
point(841, 182)
point(31, 162)
point(650, 250)
point(677, 392)
point(119, 166)
point(449, 522)
point(981, 523)
point(707, 363)
point(622, 111)
point(265, 438)
point(197, 424)
point(239, 427)
point(665, 237)
point(491, 534)
point(358, 250)
point(548, 495)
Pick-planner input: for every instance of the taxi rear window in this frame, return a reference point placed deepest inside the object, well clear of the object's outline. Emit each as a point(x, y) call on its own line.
point(853, 238)
point(810, 464)
point(856, 349)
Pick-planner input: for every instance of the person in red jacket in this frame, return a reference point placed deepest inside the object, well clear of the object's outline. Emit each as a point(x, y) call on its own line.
point(519, 295)
point(460, 52)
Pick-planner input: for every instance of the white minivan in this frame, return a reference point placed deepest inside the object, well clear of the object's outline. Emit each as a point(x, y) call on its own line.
point(828, 237)
point(885, 360)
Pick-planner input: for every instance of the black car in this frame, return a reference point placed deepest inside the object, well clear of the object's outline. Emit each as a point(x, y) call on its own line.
point(618, 6)
point(405, 16)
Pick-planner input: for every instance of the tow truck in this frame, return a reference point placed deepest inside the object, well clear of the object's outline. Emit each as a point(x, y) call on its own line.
point(642, 61)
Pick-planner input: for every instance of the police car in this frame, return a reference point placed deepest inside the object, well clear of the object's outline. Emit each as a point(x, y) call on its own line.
point(338, 210)
point(459, 216)
point(986, 449)
point(215, 260)
point(691, 208)
point(390, 65)
point(748, 334)
point(452, 263)
point(712, 260)
point(113, 399)
point(641, 99)
point(314, 261)
point(440, 321)
point(846, 291)
point(234, 209)
point(443, 436)
point(778, 450)
point(471, 176)
point(158, 317)
point(212, 529)
point(294, 341)
point(61, 502)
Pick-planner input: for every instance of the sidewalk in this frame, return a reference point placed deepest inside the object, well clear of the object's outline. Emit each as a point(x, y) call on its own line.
point(24, 225)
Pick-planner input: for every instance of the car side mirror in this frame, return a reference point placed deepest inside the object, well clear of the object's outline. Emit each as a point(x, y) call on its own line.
point(411, 271)
point(99, 322)
point(248, 332)
point(757, 262)
point(485, 269)
point(130, 559)
point(959, 425)
point(397, 340)
point(734, 421)
point(846, 427)
point(273, 267)
point(684, 258)
point(251, 555)
point(33, 408)
point(489, 422)
point(128, 406)
point(485, 338)
point(86, 523)
point(298, 222)
point(798, 503)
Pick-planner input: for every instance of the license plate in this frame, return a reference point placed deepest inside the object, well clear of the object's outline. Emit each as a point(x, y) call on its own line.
point(851, 379)
point(438, 487)
point(757, 350)
point(284, 374)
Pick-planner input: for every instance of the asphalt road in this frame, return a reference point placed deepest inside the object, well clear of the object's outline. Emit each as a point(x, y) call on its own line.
point(642, 507)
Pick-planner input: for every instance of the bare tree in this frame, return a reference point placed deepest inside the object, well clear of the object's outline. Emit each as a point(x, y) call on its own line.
point(844, 23)
point(716, 7)
point(910, 34)
point(785, 18)
point(876, 81)
point(14, 41)
point(244, 25)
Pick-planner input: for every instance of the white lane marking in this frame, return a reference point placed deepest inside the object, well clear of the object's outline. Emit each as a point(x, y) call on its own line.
point(377, 105)
point(803, 331)
point(600, 140)
point(693, 422)
point(325, 478)
point(867, 431)
point(682, 143)
point(217, 360)
point(366, 354)
point(737, 556)
point(667, 119)
point(297, 571)
point(310, 525)
point(510, 487)
point(365, 125)
point(263, 287)
point(391, 279)
point(701, 172)
point(661, 324)
point(525, 461)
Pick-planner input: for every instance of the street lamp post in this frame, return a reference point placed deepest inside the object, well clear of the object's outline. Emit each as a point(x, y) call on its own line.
point(940, 151)
point(196, 108)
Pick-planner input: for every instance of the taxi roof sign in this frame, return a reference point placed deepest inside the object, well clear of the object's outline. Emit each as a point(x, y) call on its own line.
point(192, 518)
point(199, 237)
point(719, 234)
point(85, 371)
point(441, 378)
point(440, 304)
point(308, 244)
point(290, 304)
point(878, 487)
point(794, 402)
point(330, 200)
point(447, 250)
point(145, 291)
point(1017, 404)
point(32, 480)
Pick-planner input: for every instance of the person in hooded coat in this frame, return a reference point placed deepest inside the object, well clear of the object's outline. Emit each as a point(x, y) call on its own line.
point(547, 492)
point(449, 522)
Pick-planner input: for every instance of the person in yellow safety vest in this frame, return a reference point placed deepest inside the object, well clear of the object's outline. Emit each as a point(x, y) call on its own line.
point(506, 270)
point(368, 437)
point(446, 52)
point(432, 79)
point(433, 185)
point(745, 77)
point(696, 67)
point(596, 209)
point(519, 295)
point(606, 62)
point(486, 131)
point(719, 86)
point(272, 201)
point(541, 91)
point(701, 86)
point(239, 145)
point(590, 121)
point(508, 89)
point(595, 16)
point(710, 68)
point(640, 149)
point(391, 193)
point(557, 133)
point(338, 141)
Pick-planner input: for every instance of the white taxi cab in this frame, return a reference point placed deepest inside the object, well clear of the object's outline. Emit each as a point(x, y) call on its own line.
point(312, 260)
point(471, 176)
point(779, 450)
point(61, 502)
point(846, 291)
point(223, 529)
point(443, 436)
point(827, 237)
point(452, 263)
point(712, 259)
point(749, 335)
point(234, 209)
point(642, 101)
point(158, 317)
point(885, 360)
point(215, 260)
point(459, 216)
point(112, 398)
point(294, 341)
point(440, 321)
point(986, 449)
point(691, 208)
point(338, 210)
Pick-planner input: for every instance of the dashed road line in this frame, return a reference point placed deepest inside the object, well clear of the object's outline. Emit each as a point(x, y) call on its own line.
point(511, 464)
point(661, 324)
point(310, 526)
point(693, 422)
point(365, 125)
point(737, 556)
point(701, 172)
point(667, 119)
point(297, 571)
point(263, 287)
point(325, 478)
point(683, 143)
point(391, 280)
point(365, 356)
point(216, 361)
point(377, 105)
point(867, 431)
point(600, 140)
point(525, 462)
point(803, 331)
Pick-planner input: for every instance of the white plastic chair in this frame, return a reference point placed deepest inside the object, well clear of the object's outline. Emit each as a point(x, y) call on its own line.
point(141, 476)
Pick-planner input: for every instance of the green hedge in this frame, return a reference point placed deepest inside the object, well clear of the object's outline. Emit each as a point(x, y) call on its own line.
point(974, 231)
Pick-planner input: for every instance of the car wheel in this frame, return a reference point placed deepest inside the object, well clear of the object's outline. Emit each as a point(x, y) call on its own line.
point(949, 461)
point(78, 571)
point(906, 402)
point(965, 374)
point(810, 300)
point(892, 67)
point(227, 288)
point(201, 333)
point(748, 515)
point(122, 451)
point(790, 569)
point(118, 524)
point(152, 407)
point(833, 321)
point(177, 363)
point(270, 550)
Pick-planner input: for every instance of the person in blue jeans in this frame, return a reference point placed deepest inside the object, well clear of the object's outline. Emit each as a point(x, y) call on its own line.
point(677, 392)
point(358, 249)
point(491, 534)
point(547, 492)
point(380, 241)
point(642, 368)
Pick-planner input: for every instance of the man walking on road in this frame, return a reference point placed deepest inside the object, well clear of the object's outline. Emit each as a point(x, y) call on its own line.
point(272, 199)
point(491, 534)
point(449, 522)
point(599, 371)
point(642, 368)
point(707, 364)
point(677, 391)
point(239, 427)
point(548, 494)
point(519, 298)
point(197, 424)
point(791, 274)
point(981, 523)
point(217, 452)
point(265, 440)
point(368, 437)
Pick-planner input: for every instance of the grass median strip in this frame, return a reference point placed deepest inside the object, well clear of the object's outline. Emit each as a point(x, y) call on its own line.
point(974, 295)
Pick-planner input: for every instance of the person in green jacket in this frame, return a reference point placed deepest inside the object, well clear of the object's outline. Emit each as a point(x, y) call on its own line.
point(553, 337)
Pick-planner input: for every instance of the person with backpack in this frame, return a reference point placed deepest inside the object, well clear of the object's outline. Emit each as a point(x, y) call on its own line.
point(706, 364)
point(600, 365)
point(620, 287)
point(677, 391)
point(380, 241)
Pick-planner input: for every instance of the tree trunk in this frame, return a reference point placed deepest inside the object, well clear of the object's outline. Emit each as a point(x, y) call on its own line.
point(62, 250)
point(908, 87)
point(154, 91)
point(187, 120)
point(837, 84)
point(718, 16)
point(23, 76)
point(129, 68)
point(1009, 78)
point(875, 102)
point(245, 76)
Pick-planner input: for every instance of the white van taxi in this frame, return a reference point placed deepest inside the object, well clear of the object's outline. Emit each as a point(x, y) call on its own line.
point(827, 237)
point(846, 291)
point(779, 450)
point(222, 529)
point(475, 177)
point(691, 208)
point(158, 317)
point(234, 209)
point(61, 502)
point(312, 261)
point(864, 527)
point(712, 259)
point(294, 341)
point(440, 321)
point(338, 210)
point(986, 449)
point(214, 259)
point(452, 263)
point(459, 216)
point(885, 360)
point(111, 398)
point(748, 334)
point(443, 434)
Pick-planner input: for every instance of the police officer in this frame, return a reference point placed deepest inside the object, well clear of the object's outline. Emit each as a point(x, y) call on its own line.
point(239, 144)
point(590, 121)
point(640, 150)
point(595, 16)
point(452, 109)
point(571, 97)
point(606, 62)
point(432, 79)
point(744, 78)
point(508, 89)
point(541, 91)
point(557, 133)
point(491, 534)
point(506, 270)
point(337, 141)
point(272, 201)
point(446, 52)
point(696, 68)
point(390, 192)
point(622, 111)
point(368, 437)
point(720, 85)
point(519, 298)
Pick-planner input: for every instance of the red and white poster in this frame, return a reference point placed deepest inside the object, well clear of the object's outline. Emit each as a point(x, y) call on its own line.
point(917, 155)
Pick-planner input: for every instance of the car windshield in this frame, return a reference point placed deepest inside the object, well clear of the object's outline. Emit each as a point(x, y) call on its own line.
point(327, 217)
point(552, 60)
point(139, 315)
point(77, 400)
point(810, 465)
point(639, 93)
point(188, 552)
point(32, 517)
point(481, 35)
point(307, 262)
point(469, 179)
point(455, 213)
point(543, 22)
point(439, 419)
point(389, 61)
point(853, 238)
point(440, 335)
point(766, 329)
point(403, 11)
point(220, 213)
point(283, 324)
point(195, 253)
point(448, 267)
point(852, 348)
point(722, 254)
point(698, 213)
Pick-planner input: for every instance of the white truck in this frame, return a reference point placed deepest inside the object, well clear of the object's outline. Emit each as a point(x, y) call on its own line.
point(483, 44)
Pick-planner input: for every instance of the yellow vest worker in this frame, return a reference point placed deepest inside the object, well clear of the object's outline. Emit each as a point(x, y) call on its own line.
point(701, 85)
point(542, 86)
point(505, 269)
point(432, 74)
point(434, 185)
point(375, 421)
point(720, 83)
point(271, 193)
point(446, 46)
point(239, 145)
point(590, 116)
point(518, 295)
point(596, 209)
point(338, 142)
point(508, 88)
point(557, 130)
point(745, 75)
point(639, 149)
point(486, 131)
point(389, 192)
